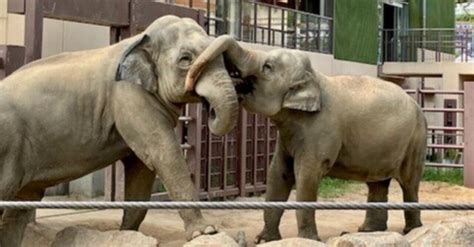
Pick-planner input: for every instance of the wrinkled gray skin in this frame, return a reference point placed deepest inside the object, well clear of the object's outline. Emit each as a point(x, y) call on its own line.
point(349, 127)
point(68, 115)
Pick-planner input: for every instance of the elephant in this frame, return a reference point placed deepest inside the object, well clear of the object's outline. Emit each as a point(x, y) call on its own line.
point(68, 115)
point(348, 127)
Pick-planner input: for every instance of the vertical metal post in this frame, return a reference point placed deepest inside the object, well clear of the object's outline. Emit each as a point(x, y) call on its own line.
point(240, 6)
point(254, 22)
point(224, 166)
point(208, 7)
point(320, 40)
point(307, 32)
point(469, 134)
point(282, 28)
point(255, 151)
point(194, 139)
point(33, 30)
point(243, 152)
point(269, 25)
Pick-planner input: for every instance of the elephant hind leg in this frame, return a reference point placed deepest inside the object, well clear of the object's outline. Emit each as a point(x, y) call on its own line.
point(410, 176)
point(138, 185)
point(376, 219)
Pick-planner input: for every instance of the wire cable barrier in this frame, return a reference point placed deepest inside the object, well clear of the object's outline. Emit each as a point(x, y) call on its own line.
point(232, 205)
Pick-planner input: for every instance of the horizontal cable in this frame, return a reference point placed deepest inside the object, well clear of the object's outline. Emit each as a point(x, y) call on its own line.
point(232, 205)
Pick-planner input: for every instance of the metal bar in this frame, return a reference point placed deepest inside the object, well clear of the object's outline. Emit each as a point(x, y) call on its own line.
point(445, 128)
point(444, 165)
point(208, 7)
point(289, 9)
point(442, 110)
point(255, 149)
point(269, 25)
point(307, 32)
point(432, 91)
point(320, 40)
point(243, 151)
point(33, 30)
point(194, 139)
point(445, 146)
point(255, 23)
point(282, 28)
point(224, 164)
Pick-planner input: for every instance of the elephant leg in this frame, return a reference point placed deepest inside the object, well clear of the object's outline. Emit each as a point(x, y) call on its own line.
point(14, 221)
point(143, 124)
point(309, 173)
point(376, 219)
point(138, 185)
point(281, 179)
point(412, 171)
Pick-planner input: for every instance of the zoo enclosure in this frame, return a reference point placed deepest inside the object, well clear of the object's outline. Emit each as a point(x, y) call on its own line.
point(233, 165)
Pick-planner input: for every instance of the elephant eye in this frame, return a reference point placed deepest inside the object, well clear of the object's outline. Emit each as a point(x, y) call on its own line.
point(267, 67)
point(185, 60)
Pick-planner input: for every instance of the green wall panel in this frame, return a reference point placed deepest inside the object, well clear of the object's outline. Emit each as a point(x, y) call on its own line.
point(356, 30)
point(440, 13)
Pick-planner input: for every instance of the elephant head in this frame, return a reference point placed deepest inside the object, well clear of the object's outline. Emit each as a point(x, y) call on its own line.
point(159, 58)
point(275, 80)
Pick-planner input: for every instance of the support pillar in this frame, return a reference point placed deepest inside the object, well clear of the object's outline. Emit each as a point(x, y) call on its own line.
point(469, 134)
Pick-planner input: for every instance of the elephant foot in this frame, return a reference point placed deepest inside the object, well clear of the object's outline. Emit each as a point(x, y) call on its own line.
point(267, 236)
point(195, 230)
point(407, 229)
point(373, 227)
point(309, 235)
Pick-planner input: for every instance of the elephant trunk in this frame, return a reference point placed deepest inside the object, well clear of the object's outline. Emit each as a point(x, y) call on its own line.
point(217, 88)
point(247, 61)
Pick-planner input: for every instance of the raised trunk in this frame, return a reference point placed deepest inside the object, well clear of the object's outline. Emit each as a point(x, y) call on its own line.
point(221, 95)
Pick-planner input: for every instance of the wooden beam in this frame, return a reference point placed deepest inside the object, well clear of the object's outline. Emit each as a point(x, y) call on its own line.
point(99, 12)
point(33, 30)
point(145, 12)
point(16, 6)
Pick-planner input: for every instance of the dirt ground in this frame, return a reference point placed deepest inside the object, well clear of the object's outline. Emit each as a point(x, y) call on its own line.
point(167, 227)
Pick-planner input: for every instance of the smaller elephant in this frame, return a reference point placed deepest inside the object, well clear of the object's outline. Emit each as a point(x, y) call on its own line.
point(348, 127)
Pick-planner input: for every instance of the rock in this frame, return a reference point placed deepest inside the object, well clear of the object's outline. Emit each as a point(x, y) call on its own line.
point(369, 239)
point(220, 239)
point(296, 242)
point(37, 234)
point(450, 232)
point(77, 236)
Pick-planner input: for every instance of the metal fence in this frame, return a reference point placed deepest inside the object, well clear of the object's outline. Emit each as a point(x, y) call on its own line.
point(271, 25)
point(427, 45)
point(445, 143)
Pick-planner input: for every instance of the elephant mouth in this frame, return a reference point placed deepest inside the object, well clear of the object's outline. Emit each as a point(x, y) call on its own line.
point(209, 109)
point(244, 86)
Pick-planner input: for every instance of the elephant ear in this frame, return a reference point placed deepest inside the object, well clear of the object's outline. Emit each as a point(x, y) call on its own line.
point(304, 95)
point(137, 66)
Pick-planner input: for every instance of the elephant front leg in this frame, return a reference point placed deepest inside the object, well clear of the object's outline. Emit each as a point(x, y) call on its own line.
point(281, 179)
point(138, 185)
point(376, 219)
point(145, 126)
point(309, 172)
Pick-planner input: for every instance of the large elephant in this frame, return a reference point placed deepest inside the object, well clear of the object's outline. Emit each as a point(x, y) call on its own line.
point(68, 115)
point(348, 127)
